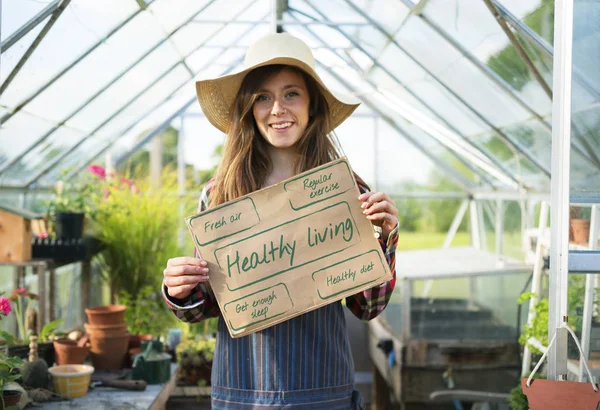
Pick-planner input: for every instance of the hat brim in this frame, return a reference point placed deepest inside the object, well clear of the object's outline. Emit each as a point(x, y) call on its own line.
point(216, 96)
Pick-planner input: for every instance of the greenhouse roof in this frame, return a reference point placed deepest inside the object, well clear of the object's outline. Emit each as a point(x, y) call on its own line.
point(462, 87)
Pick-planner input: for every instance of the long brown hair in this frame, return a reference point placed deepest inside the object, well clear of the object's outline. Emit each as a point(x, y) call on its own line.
point(246, 164)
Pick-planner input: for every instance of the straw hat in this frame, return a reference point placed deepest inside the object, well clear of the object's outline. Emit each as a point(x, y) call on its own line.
point(216, 96)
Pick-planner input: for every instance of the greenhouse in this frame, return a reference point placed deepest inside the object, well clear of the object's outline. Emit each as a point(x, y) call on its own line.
point(478, 124)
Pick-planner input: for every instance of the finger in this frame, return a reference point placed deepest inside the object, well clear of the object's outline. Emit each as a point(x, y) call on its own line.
point(180, 292)
point(383, 216)
point(186, 260)
point(373, 198)
point(185, 270)
point(383, 206)
point(176, 281)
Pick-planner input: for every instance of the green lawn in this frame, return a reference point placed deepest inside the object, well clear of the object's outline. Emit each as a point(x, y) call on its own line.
point(426, 240)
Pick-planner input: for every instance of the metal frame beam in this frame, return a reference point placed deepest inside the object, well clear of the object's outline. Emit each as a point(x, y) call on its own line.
point(27, 27)
point(516, 146)
point(450, 126)
point(42, 138)
point(280, 22)
point(124, 106)
point(560, 188)
point(34, 94)
point(55, 15)
point(518, 48)
point(543, 46)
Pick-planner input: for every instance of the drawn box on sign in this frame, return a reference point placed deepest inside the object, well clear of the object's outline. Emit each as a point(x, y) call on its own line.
point(272, 252)
point(320, 185)
point(224, 221)
point(347, 275)
point(258, 307)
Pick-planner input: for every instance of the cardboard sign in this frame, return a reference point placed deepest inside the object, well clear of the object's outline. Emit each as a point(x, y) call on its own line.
point(289, 248)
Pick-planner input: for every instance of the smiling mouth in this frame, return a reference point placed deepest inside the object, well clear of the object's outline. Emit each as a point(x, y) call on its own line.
point(281, 126)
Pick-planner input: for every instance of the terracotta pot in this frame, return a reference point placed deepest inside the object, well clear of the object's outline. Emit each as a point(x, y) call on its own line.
point(10, 397)
point(108, 352)
point(106, 330)
point(559, 395)
point(136, 340)
point(106, 315)
point(581, 230)
point(67, 352)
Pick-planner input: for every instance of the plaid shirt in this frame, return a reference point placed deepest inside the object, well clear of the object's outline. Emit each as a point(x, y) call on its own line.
point(303, 362)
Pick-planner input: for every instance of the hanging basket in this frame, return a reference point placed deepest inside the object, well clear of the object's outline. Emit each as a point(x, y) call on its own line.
point(560, 395)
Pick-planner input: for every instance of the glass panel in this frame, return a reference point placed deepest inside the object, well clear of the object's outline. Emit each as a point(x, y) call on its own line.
point(224, 11)
point(81, 25)
point(451, 312)
point(16, 13)
point(475, 29)
point(11, 57)
point(450, 67)
point(98, 69)
point(187, 39)
point(172, 13)
point(18, 133)
point(586, 117)
point(150, 122)
point(43, 153)
point(537, 14)
point(75, 159)
point(151, 97)
point(136, 80)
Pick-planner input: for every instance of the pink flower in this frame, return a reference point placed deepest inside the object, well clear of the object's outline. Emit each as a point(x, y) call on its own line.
point(5, 307)
point(97, 170)
point(43, 235)
point(127, 181)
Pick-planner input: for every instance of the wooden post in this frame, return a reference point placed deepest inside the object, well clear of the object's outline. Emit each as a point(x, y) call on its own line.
point(52, 295)
point(40, 270)
point(86, 283)
point(380, 392)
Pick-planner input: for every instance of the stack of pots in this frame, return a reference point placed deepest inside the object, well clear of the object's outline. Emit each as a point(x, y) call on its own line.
point(108, 335)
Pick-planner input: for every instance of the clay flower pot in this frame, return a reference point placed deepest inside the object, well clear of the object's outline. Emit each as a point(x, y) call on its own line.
point(10, 397)
point(108, 352)
point(106, 330)
point(68, 352)
point(581, 230)
point(560, 395)
point(106, 315)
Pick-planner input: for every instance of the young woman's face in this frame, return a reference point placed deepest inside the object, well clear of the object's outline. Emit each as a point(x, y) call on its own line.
point(281, 108)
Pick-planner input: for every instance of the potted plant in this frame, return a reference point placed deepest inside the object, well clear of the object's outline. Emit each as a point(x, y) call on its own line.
point(8, 365)
point(26, 326)
point(195, 357)
point(137, 225)
point(72, 202)
point(146, 315)
point(580, 224)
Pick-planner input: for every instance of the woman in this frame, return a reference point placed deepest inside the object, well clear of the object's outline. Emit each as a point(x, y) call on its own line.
point(278, 116)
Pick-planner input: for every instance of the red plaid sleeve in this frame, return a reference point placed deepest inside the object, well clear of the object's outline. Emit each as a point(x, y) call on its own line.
point(369, 303)
point(201, 303)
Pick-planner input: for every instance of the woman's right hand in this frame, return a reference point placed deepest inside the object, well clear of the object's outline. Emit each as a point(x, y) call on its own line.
point(183, 274)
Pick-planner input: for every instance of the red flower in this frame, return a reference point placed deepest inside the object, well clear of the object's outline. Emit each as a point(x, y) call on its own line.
point(97, 170)
point(5, 307)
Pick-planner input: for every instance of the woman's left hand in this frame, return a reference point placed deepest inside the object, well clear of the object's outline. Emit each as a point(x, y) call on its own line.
point(380, 210)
